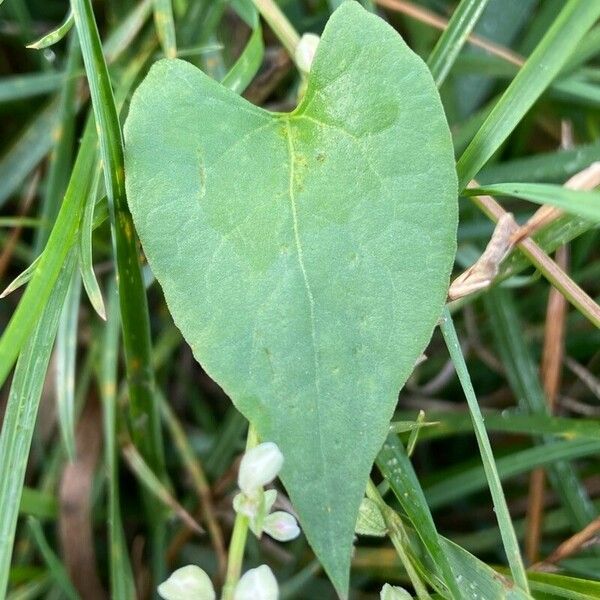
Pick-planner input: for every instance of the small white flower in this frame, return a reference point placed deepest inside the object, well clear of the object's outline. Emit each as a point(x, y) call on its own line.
point(187, 583)
point(259, 466)
point(305, 51)
point(281, 526)
point(257, 584)
point(392, 592)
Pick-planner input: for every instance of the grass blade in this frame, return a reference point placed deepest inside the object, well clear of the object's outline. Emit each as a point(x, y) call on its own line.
point(21, 413)
point(453, 38)
point(54, 564)
point(66, 351)
point(61, 156)
point(145, 420)
point(165, 27)
point(509, 538)
point(471, 479)
point(121, 574)
point(53, 258)
point(247, 65)
point(27, 151)
point(577, 202)
point(54, 36)
point(535, 76)
point(86, 263)
point(524, 381)
point(19, 87)
point(395, 466)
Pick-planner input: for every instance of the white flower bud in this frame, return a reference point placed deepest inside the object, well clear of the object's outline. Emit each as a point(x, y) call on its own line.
point(305, 51)
point(392, 592)
point(257, 584)
point(281, 526)
point(187, 583)
point(259, 466)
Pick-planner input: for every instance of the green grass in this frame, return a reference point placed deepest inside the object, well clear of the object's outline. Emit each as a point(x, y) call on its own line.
point(84, 320)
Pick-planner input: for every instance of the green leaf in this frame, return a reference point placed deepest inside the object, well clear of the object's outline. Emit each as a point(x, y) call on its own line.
point(577, 202)
point(296, 251)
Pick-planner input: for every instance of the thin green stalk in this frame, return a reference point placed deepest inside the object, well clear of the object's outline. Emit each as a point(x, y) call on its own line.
point(464, 18)
point(237, 545)
point(200, 482)
point(145, 420)
point(280, 25)
point(165, 26)
point(121, 574)
point(55, 566)
point(66, 353)
point(398, 539)
point(509, 538)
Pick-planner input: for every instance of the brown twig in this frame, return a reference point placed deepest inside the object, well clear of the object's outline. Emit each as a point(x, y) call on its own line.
point(545, 265)
point(430, 18)
point(551, 370)
point(75, 517)
point(570, 546)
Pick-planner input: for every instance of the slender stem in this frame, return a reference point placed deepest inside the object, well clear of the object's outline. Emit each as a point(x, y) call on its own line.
point(507, 531)
point(238, 537)
point(398, 537)
point(280, 25)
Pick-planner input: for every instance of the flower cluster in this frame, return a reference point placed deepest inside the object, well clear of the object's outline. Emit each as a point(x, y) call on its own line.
point(192, 583)
point(259, 467)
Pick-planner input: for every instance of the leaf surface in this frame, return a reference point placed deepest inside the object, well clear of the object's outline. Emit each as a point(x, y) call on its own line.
point(304, 256)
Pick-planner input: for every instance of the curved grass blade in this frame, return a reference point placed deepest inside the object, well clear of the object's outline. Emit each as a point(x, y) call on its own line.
point(509, 538)
point(450, 423)
point(156, 487)
point(535, 76)
point(54, 36)
point(247, 65)
point(21, 279)
point(550, 167)
point(464, 18)
point(576, 202)
point(86, 263)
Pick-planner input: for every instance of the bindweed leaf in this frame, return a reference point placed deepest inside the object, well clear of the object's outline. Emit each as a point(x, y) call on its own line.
point(304, 256)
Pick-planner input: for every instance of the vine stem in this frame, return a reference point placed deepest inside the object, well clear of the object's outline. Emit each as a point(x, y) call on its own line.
point(397, 536)
point(237, 544)
point(280, 25)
